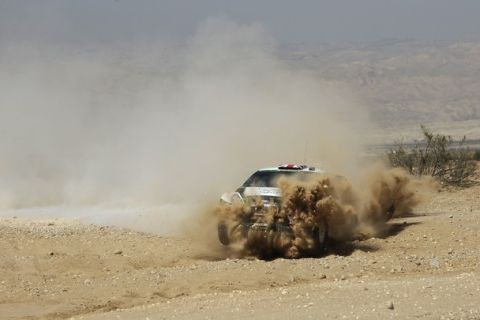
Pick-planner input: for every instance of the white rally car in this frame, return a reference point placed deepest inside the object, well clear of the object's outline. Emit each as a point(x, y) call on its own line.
point(261, 186)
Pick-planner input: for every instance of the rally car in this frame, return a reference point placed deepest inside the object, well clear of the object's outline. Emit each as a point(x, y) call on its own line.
point(262, 187)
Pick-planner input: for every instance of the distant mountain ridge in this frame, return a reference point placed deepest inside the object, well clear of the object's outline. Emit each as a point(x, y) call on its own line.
point(404, 81)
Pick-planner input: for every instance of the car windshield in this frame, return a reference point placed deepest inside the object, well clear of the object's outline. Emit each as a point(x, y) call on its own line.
point(270, 178)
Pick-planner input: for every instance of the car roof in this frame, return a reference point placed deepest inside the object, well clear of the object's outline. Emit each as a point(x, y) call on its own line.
point(306, 169)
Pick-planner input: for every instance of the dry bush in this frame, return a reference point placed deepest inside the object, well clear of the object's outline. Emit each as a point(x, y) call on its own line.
point(436, 156)
point(476, 155)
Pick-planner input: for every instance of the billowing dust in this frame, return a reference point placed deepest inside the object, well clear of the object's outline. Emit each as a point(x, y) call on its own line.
point(158, 131)
point(348, 211)
point(161, 128)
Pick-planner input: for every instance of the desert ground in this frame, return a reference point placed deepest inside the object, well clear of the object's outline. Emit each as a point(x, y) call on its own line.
point(426, 267)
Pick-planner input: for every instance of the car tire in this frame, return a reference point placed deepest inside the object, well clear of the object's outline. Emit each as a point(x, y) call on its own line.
point(223, 234)
point(320, 234)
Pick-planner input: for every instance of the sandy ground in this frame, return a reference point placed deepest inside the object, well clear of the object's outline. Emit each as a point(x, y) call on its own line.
point(427, 267)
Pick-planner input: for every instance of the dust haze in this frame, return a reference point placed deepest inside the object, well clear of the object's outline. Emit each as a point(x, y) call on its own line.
point(158, 130)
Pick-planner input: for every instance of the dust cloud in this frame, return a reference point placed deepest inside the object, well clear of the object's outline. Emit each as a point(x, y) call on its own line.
point(348, 212)
point(161, 129)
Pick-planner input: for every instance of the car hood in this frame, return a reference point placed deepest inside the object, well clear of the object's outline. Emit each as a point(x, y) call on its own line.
point(261, 192)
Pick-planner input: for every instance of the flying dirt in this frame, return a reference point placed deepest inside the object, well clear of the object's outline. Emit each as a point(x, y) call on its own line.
point(318, 209)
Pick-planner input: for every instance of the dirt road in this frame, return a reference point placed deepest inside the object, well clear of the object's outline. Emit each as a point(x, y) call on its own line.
point(426, 267)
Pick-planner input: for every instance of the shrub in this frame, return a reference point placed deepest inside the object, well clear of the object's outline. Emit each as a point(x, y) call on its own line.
point(435, 156)
point(476, 155)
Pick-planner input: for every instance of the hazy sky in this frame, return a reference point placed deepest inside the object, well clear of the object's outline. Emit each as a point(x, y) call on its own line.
point(84, 21)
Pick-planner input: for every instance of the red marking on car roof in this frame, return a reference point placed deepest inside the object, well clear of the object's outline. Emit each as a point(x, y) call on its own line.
point(292, 166)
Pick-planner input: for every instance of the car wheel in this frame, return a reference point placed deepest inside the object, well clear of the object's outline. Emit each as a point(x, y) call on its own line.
point(322, 233)
point(223, 234)
point(321, 236)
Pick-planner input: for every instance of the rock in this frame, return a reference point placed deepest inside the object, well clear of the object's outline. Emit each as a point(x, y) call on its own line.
point(434, 263)
point(450, 216)
point(323, 276)
point(118, 252)
point(390, 305)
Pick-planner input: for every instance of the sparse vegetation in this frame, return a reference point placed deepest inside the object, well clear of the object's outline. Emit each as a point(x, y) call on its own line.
point(436, 156)
point(476, 155)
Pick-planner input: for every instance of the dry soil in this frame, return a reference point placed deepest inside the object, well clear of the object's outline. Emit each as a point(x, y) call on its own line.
point(426, 267)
